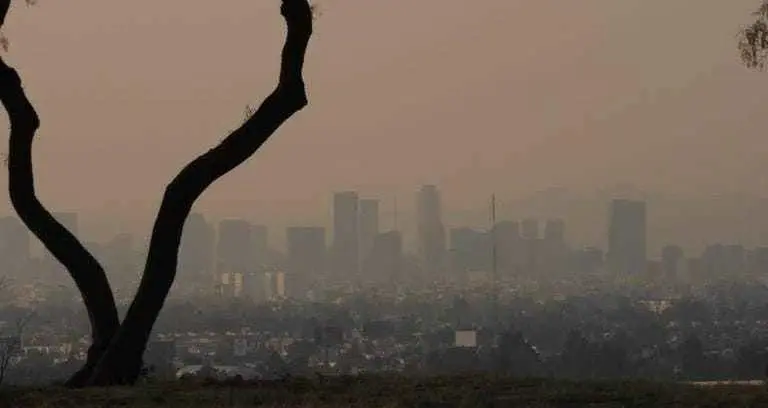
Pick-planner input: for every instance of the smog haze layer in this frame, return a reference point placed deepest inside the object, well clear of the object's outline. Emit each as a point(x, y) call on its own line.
point(511, 97)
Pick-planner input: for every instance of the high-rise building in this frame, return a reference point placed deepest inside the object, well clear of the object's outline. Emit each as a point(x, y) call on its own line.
point(279, 277)
point(306, 258)
point(259, 259)
point(345, 248)
point(554, 231)
point(530, 247)
point(736, 259)
point(368, 226)
point(470, 251)
point(530, 228)
point(506, 237)
point(233, 247)
point(196, 253)
point(588, 261)
point(758, 261)
point(627, 237)
point(385, 263)
point(121, 263)
point(672, 258)
point(431, 232)
point(553, 251)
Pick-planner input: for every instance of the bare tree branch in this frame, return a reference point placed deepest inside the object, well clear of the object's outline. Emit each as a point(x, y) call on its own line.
point(121, 362)
point(5, 5)
point(85, 270)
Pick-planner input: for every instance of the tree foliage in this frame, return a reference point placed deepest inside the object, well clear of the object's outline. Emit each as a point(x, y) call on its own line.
point(753, 39)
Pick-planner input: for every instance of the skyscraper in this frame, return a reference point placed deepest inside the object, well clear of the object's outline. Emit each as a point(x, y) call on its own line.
point(627, 237)
point(385, 262)
point(431, 231)
point(553, 248)
point(470, 251)
point(554, 231)
point(346, 252)
point(196, 253)
point(306, 258)
point(368, 227)
point(233, 247)
point(259, 258)
point(121, 263)
point(508, 247)
point(672, 257)
point(530, 228)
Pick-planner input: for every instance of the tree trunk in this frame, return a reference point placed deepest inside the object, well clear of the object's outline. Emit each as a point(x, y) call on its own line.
point(86, 271)
point(121, 363)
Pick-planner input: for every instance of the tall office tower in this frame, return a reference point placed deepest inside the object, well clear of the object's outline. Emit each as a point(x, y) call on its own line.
point(588, 261)
point(530, 247)
point(431, 232)
point(255, 286)
point(121, 263)
point(385, 263)
point(530, 228)
point(553, 250)
point(196, 253)
point(345, 249)
point(735, 259)
point(233, 247)
point(554, 231)
point(307, 251)
point(627, 237)
point(672, 258)
point(470, 251)
point(506, 236)
point(14, 246)
point(259, 259)
point(369, 226)
point(758, 261)
point(713, 262)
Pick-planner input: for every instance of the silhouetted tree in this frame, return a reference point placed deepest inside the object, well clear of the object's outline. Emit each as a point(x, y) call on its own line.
point(87, 273)
point(115, 356)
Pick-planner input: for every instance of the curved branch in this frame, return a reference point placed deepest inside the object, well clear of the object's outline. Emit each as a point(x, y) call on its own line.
point(85, 270)
point(4, 6)
point(121, 362)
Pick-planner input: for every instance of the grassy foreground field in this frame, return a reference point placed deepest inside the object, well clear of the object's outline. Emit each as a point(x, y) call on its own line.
point(394, 391)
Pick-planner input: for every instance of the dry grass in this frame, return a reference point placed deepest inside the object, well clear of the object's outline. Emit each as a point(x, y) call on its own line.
point(394, 391)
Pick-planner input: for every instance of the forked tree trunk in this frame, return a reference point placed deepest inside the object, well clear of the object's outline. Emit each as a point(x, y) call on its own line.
point(86, 271)
point(121, 363)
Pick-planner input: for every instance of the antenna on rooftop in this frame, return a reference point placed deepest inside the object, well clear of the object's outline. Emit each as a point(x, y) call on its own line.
point(394, 227)
point(494, 271)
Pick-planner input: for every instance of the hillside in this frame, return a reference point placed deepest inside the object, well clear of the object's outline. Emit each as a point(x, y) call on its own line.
point(394, 391)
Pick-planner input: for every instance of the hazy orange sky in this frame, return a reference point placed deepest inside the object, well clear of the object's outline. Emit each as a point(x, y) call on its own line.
point(510, 96)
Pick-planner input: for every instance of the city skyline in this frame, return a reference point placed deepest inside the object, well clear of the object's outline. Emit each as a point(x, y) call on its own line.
point(217, 192)
point(633, 121)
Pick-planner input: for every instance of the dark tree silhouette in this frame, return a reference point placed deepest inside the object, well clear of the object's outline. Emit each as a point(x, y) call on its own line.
point(753, 39)
point(85, 270)
point(116, 354)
